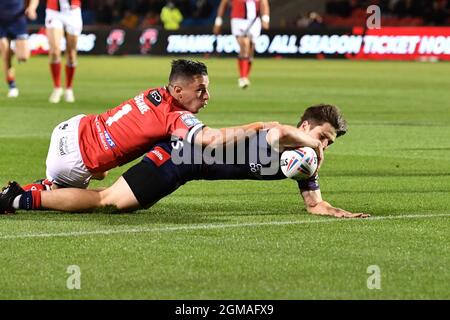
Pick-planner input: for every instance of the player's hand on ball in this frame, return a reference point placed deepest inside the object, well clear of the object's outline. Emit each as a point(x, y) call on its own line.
point(320, 155)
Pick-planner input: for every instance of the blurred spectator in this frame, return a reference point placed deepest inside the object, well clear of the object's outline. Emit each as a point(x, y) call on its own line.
point(438, 14)
point(171, 16)
point(310, 20)
point(141, 7)
point(203, 9)
point(302, 21)
point(106, 11)
point(339, 8)
point(130, 20)
point(398, 12)
point(151, 19)
point(407, 8)
point(315, 20)
point(185, 8)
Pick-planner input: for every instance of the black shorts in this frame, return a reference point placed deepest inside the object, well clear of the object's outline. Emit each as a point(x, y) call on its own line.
point(14, 29)
point(150, 183)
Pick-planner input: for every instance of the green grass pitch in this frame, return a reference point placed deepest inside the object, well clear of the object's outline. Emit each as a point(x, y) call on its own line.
point(246, 239)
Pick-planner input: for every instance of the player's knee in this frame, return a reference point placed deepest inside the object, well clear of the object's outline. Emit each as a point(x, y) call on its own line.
point(23, 57)
point(105, 199)
point(55, 56)
point(109, 198)
point(72, 56)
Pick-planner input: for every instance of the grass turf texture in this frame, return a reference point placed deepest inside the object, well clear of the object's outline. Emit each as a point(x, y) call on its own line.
point(246, 239)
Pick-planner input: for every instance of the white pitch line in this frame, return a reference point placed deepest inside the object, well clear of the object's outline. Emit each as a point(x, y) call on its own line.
point(209, 226)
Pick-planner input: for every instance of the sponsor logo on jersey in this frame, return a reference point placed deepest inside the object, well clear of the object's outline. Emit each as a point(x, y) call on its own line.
point(154, 97)
point(109, 140)
point(140, 103)
point(189, 120)
point(62, 146)
point(100, 133)
point(158, 155)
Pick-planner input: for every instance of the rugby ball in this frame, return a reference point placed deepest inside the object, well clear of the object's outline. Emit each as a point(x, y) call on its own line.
point(299, 164)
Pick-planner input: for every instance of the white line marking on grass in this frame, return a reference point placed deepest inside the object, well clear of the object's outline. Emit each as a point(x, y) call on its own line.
point(210, 226)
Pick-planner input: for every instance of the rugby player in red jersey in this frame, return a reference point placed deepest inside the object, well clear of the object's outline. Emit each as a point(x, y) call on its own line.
point(60, 16)
point(87, 146)
point(247, 17)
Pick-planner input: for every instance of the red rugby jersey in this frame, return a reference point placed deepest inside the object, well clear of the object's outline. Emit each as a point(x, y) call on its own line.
point(245, 9)
point(60, 5)
point(129, 130)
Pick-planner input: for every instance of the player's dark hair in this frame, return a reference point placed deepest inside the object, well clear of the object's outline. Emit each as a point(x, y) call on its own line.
point(182, 68)
point(321, 113)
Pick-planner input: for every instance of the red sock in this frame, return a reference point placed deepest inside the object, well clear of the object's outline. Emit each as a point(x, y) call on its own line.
point(30, 200)
point(10, 79)
point(70, 72)
point(36, 194)
point(243, 67)
point(55, 69)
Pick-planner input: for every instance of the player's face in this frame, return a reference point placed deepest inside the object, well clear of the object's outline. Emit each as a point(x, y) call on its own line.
point(326, 133)
point(194, 94)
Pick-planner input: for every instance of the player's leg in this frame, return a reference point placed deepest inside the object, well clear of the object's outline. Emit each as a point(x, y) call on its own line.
point(71, 63)
point(251, 56)
point(73, 25)
point(7, 54)
point(55, 32)
point(253, 34)
point(119, 196)
point(15, 31)
point(239, 28)
point(54, 36)
point(22, 50)
point(139, 187)
point(243, 60)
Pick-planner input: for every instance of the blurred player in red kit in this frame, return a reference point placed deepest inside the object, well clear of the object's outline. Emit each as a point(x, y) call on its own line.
point(60, 16)
point(247, 17)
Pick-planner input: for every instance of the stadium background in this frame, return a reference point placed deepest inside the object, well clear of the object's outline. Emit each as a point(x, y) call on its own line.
point(243, 239)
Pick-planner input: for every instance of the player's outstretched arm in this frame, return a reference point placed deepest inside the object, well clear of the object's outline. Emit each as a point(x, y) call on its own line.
point(316, 205)
point(216, 137)
point(284, 137)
